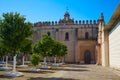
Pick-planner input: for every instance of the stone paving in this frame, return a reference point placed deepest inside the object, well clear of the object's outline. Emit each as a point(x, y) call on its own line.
point(85, 72)
point(70, 72)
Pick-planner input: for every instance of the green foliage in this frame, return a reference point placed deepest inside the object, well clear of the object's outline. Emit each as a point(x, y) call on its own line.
point(3, 49)
point(0, 21)
point(59, 49)
point(56, 48)
point(1, 52)
point(14, 30)
point(26, 46)
point(35, 58)
point(63, 51)
point(49, 47)
point(43, 46)
point(37, 47)
point(50, 54)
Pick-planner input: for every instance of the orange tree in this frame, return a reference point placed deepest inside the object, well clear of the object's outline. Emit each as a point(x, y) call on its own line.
point(43, 46)
point(14, 30)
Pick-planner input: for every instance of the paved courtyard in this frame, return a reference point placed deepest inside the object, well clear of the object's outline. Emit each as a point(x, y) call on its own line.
point(86, 72)
point(70, 72)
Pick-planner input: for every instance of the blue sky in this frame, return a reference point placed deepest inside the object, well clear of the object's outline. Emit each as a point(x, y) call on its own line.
point(53, 10)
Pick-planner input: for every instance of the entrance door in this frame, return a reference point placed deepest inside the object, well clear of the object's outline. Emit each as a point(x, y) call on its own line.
point(87, 57)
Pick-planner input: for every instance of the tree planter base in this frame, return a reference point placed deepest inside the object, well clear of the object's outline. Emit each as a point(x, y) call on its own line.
point(56, 64)
point(45, 67)
point(43, 63)
point(13, 74)
point(1, 64)
point(11, 62)
point(5, 68)
point(23, 66)
point(27, 62)
point(34, 70)
point(61, 63)
point(48, 62)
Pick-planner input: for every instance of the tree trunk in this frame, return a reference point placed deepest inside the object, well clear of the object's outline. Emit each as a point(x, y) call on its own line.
point(3, 59)
point(26, 57)
point(6, 61)
point(55, 60)
point(23, 60)
point(62, 60)
point(14, 65)
point(49, 59)
point(59, 59)
point(45, 61)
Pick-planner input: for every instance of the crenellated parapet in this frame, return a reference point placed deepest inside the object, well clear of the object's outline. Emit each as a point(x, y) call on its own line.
point(66, 21)
point(85, 22)
point(46, 23)
point(62, 22)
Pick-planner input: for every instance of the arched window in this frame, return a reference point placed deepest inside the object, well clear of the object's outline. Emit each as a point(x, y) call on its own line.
point(48, 33)
point(86, 35)
point(66, 36)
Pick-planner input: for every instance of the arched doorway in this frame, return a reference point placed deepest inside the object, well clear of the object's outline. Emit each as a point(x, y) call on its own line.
point(87, 57)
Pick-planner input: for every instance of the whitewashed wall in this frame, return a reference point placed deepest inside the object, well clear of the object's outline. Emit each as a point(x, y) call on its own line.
point(114, 47)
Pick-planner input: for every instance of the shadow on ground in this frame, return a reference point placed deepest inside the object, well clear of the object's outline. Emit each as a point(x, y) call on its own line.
point(41, 78)
point(72, 68)
point(78, 66)
point(41, 71)
point(1, 76)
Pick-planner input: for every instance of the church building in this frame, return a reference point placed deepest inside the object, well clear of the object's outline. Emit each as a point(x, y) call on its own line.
point(79, 36)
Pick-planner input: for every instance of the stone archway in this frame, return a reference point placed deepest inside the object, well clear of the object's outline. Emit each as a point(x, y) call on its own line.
point(87, 57)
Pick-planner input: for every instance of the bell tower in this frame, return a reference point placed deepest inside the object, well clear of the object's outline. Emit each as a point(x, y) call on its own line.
point(66, 20)
point(67, 15)
point(100, 27)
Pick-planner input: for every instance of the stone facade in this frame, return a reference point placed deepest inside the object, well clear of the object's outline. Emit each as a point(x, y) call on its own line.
point(79, 36)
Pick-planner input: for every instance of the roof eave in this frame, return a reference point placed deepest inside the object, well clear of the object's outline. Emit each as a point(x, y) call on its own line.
point(113, 19)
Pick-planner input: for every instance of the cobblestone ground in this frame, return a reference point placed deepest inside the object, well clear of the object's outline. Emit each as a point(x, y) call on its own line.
point(85, 72)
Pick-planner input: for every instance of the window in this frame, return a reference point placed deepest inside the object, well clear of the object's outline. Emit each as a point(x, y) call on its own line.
point(48, 33)
point(66, 36)
point(86, 35)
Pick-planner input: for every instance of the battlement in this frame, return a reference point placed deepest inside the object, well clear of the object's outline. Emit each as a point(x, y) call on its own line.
point(63, 22)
